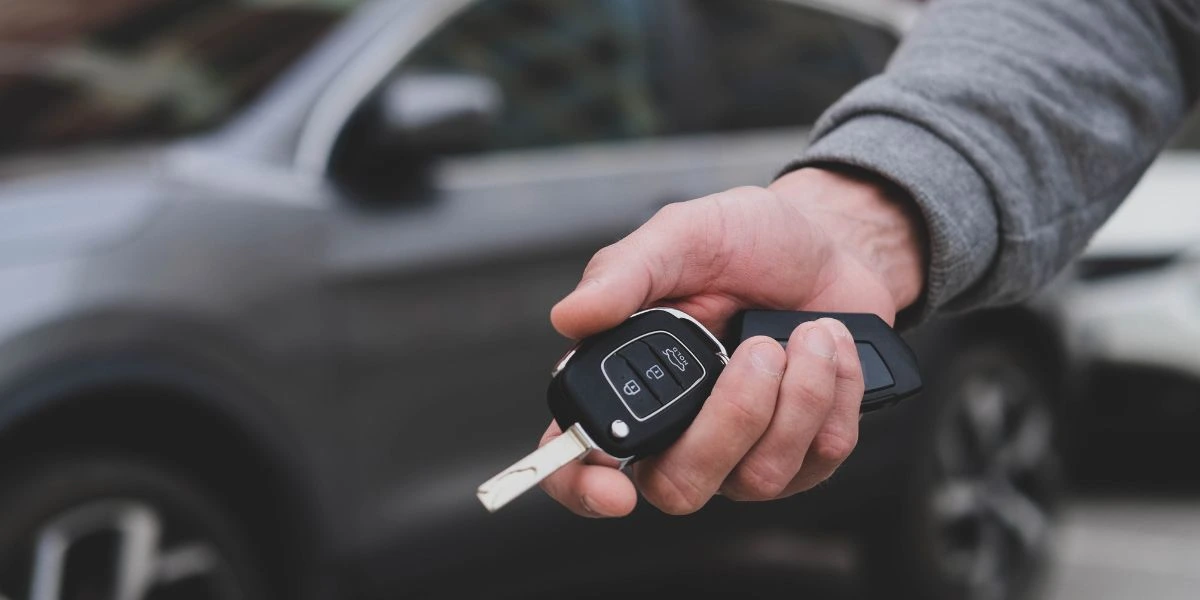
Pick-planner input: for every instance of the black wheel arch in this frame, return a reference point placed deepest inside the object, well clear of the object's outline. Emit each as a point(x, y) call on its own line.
point(895, 562)
point(1022, 326)
point(203, 425)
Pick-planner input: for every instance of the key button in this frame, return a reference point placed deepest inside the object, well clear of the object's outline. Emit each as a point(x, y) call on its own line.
point(630, 387)
point(676, 358)
point(652, 371)
point(876, 375)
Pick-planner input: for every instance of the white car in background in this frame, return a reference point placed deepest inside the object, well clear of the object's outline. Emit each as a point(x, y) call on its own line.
point(1135, 296)
point(1129, 312)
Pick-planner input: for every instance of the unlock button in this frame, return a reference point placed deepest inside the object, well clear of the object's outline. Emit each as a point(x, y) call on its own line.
point(652, 371)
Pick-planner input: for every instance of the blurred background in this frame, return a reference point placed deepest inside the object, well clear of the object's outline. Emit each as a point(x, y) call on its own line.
point(274, 286)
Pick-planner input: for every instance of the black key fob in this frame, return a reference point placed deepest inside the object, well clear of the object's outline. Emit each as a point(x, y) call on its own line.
point(889, 366)
point(636, 387)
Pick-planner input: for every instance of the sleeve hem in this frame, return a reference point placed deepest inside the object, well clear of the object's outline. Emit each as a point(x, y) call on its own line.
point(954, 199)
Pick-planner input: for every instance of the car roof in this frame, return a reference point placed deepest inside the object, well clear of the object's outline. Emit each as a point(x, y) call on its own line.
point(1161, 214)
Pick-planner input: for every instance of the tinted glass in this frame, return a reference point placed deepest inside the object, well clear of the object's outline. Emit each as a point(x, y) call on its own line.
point(768, 63)
point(569, 71)
point(76, 72)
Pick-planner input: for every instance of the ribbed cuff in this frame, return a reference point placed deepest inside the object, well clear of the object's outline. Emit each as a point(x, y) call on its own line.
point(953, 197)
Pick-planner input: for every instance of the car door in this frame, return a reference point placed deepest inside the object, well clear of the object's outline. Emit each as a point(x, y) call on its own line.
point(445, 265)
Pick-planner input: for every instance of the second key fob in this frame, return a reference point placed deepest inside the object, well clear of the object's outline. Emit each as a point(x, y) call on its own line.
point(890, 370)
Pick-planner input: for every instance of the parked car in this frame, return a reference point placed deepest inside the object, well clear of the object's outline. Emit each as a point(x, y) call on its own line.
point(276, 281)
point(1131, 315)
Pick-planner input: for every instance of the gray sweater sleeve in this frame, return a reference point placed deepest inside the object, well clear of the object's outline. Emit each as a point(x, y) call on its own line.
point(1017, 126)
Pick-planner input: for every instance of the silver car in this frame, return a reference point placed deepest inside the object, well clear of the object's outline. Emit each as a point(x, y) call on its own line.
point(276, 279)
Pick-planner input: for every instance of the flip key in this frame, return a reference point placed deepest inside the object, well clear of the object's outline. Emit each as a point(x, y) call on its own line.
point(631, 391)
point(890, 370)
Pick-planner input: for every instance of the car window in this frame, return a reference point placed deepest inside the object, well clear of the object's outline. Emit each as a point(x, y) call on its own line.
point(767, 63)
point(585, 71)
point(78, 73)
point(569, 71)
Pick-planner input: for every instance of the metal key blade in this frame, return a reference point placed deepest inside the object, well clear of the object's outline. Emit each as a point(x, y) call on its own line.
point(527, 472)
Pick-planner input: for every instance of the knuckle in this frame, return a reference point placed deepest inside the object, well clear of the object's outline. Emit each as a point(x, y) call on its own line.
point(671, 494)
point(749, 413)
point(811, 398)
point(672, 211)
point(752, 481)
point(835, 448)
point(603, 255)
point(748, 191)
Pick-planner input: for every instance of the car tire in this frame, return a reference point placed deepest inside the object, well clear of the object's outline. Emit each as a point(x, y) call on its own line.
point(974, 518)
point(76, 527)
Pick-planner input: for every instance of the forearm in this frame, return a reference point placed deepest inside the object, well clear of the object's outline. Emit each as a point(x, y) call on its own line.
point(1017, 128)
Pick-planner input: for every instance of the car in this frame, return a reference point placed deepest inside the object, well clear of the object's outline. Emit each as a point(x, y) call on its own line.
point(1130, 310)
point(276, 282)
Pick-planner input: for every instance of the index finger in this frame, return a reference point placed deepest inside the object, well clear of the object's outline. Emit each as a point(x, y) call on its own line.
point(663, 258)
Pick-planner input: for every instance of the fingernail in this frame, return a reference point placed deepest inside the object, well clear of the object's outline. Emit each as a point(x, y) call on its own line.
point(766, 356)
point(837, 327)
point(819, 342)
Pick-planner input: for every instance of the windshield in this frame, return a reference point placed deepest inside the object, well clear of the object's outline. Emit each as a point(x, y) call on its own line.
point(83, 72)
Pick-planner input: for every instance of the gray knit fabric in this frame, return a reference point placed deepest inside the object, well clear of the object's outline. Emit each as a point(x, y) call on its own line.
point(1018, 126)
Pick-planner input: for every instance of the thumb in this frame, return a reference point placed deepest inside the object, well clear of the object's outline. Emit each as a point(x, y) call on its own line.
point(648, 265)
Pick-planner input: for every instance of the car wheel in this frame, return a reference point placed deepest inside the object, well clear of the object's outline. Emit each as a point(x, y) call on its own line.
point(79, 528)
point(975, 522)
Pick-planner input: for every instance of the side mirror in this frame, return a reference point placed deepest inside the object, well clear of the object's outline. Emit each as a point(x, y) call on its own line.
point(437, 113)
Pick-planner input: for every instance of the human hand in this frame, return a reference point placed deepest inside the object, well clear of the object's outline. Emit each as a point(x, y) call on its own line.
point(777, 422)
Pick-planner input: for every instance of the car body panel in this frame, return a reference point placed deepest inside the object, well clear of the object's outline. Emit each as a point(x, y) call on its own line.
point(397, 355)
point(1147, 315)
point(1161, 214)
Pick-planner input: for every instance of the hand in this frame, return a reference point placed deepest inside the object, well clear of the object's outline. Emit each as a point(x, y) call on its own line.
point(777, 422)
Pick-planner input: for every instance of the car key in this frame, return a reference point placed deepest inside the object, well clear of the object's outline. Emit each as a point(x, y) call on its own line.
point(631, 391)
point(889, 366)
point(620, 394)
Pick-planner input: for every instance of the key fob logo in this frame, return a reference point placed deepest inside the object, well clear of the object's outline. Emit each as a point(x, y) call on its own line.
point(631, 388)
point(676, 358)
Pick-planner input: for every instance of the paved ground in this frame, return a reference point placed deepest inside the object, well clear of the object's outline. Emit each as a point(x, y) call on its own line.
point(1134, 546)
point(1129, 548)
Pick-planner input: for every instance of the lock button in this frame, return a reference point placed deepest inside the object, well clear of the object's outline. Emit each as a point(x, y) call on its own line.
point(652, 371)
point(630, 388)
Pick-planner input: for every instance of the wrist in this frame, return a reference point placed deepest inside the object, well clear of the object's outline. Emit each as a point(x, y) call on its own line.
point(868, 218)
